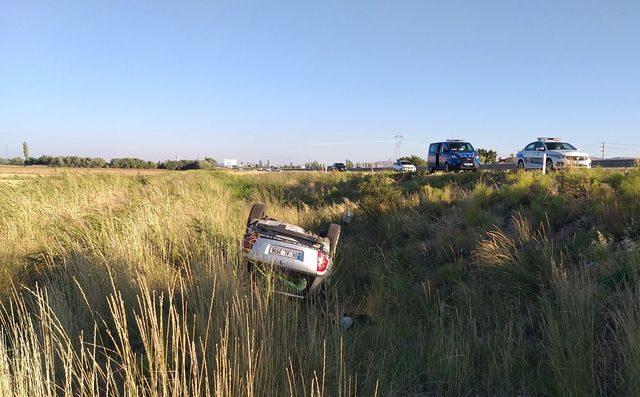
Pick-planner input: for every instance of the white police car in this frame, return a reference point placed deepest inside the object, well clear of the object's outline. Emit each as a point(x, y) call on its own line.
point(558, 155)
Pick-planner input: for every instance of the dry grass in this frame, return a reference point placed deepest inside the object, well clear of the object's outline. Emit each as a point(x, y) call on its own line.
point(130, 284)
point(7, 171)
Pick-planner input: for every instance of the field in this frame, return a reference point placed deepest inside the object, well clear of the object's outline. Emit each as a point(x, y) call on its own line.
point(468, 284)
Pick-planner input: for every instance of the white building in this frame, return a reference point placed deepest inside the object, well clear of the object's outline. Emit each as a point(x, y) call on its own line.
point(230, 163)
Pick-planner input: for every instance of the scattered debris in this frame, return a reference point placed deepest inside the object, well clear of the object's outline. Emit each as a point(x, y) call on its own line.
point(601, 241)
point(346, 322)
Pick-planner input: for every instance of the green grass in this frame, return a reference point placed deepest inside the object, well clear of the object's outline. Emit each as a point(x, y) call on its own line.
point(468, 284)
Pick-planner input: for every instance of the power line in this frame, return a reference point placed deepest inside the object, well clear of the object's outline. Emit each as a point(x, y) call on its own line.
point(304, 143)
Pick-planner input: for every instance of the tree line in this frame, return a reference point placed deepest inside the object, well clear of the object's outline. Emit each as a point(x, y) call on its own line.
point(123, 162)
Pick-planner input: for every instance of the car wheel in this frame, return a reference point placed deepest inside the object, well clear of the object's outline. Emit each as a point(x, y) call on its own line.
point(431, 170)
point(521, 165)
point(446, 167)
point(550, 165)
point(258, 211)
point(333, 235)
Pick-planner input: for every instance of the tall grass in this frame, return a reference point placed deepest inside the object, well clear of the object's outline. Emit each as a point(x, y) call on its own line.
point(476, 284)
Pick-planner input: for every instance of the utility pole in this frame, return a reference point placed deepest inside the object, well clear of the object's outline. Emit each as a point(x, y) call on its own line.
point(398, 139)
point(602, 149)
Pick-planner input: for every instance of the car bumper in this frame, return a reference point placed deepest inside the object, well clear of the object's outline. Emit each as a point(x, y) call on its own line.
point(573, 164)
point(465, 166)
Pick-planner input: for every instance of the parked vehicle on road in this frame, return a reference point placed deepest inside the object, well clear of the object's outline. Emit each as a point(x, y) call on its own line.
point(337, 167)
point(452, 155)
point(556, 153)
point(296, 261)
point(403, 166)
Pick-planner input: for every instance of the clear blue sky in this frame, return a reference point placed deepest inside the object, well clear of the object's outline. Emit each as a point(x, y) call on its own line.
point(159, 79)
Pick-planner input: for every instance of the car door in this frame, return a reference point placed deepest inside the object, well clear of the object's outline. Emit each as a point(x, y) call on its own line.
point(527, 155)
point(538, 155)
point(443, 154)
point(431, 157)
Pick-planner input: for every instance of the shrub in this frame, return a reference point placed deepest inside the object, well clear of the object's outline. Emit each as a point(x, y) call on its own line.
point(12, 161)
point(132, 163)
point(378, 194)
point(487, 156)
point(523, 262)
point(183, 165)
point(415, 160)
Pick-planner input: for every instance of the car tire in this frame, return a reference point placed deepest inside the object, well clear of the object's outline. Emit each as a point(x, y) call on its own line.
point(521, 165)
point(446, 167)
point(550, 165)
point(431, 170)
point(258, 211)
point(334, 236)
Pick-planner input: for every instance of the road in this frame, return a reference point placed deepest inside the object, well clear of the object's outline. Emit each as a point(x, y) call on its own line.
point(607, 163)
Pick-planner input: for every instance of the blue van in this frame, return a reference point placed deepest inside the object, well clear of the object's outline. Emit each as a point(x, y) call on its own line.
point(452, 155)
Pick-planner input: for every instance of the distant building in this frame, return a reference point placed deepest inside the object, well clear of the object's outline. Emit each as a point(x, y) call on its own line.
point(230, 163)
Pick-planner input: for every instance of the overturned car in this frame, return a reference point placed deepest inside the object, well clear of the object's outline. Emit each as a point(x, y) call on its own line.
point(297, 261)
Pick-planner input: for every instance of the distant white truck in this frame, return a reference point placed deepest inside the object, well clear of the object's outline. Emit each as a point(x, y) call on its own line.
point(298, 261)
point(552, 152)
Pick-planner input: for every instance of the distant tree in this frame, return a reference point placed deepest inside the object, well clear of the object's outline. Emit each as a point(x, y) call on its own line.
point(415, 160)
point(196, 165)
point(68, 161)
point(25, 151)
point(314, 165)
point(183, 165)
point(98, 162)
point(13, 161)
point(348, 163)
point(510, 160)
point(487, 156)
point(128, 162)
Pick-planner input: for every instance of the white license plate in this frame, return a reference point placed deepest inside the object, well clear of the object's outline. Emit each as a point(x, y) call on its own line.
point(287, 253)
point(468, 164)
